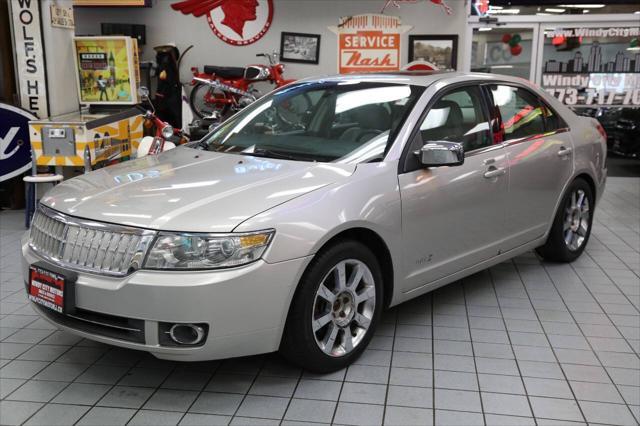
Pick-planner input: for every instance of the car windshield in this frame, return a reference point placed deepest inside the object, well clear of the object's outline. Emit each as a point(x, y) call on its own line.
point(337, 121)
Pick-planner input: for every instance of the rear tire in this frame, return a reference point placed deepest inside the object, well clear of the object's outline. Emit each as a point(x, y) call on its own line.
point(201, 107)
point(335, 310)
point(571, 227)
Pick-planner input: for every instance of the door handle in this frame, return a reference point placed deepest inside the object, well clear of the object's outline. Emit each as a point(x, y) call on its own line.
point(564, 151)
point(494, 172)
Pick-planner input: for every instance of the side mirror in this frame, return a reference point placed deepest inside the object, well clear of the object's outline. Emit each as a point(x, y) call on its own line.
point(441, 153)
point(143, 92)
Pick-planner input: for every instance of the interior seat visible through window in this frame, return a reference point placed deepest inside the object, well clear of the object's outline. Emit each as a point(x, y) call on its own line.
point(458, 117)
point(371, 120)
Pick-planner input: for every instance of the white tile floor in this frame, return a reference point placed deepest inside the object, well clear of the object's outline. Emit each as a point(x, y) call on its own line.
point(522, 343)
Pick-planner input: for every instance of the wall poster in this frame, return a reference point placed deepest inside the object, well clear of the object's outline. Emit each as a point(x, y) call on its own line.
point(369, 43)
point(593, 66)
point(106, 70)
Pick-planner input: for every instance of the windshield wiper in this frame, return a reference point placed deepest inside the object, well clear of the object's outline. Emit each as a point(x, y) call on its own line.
point(261, 152)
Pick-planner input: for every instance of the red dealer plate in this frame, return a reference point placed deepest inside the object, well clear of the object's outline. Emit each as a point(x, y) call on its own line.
point(46, 288)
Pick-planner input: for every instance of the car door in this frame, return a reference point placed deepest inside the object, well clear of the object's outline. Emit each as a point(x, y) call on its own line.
point(539, 151)
point(452, 217)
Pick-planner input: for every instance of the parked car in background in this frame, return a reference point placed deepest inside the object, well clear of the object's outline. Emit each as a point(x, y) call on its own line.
point(622, 126)
point(294, 234)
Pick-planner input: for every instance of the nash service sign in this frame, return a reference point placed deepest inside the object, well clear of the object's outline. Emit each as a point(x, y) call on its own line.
point(368, 43)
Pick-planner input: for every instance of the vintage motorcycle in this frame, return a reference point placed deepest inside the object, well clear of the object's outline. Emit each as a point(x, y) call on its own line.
point(219, 90)
point(165, 137)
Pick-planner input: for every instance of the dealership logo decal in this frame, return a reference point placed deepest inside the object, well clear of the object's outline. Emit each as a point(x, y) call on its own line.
point(237, 22)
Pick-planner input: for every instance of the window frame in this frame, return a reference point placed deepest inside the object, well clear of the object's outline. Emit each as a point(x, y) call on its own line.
point(564, 127)
point(404, 164)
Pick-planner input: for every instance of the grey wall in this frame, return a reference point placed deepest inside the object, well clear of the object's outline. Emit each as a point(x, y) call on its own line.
point(58, 47)
point(308, 16)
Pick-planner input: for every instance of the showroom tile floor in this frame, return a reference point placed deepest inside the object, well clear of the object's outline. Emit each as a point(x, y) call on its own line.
point(522, 343)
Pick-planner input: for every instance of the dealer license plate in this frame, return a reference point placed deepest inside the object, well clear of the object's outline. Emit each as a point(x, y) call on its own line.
point(46, 288)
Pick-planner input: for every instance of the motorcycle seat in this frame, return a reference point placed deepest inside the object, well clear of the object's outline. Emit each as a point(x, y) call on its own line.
point(225, 72)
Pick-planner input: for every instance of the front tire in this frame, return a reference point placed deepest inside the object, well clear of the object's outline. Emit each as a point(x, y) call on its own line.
point(335, 309)
point(571, 226)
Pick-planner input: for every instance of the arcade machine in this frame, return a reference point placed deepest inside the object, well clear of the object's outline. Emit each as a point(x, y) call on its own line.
point(106, 128)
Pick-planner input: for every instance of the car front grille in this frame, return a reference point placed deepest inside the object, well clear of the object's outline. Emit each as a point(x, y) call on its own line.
point(87, 245)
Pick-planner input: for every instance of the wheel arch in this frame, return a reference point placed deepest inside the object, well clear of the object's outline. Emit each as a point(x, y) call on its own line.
point(380, 250)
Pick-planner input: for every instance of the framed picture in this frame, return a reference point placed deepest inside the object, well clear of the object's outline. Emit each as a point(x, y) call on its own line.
point(439, 50)
point(299, 47)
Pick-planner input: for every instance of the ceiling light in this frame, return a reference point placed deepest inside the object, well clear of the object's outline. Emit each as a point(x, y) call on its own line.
point(553, 10)
point(634, 49)
point(485, 29)
point(637, 12)
point(583, 6)
point(501, 66)
point(586, 11)
point(505, 12)
point(495, 7)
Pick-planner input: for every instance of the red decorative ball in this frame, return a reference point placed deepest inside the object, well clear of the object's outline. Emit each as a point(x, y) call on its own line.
point(516, 50)
point(506, 38)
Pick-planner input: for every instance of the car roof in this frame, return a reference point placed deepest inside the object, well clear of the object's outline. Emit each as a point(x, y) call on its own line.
point(417, 78)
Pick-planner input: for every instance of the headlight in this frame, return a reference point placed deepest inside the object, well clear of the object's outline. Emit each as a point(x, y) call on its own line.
point(206, 251)
point(167, 132)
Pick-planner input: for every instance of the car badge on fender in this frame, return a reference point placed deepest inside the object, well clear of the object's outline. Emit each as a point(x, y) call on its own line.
point(237, 22)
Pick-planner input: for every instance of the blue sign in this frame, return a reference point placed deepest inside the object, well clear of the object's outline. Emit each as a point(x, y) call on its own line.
point(15, 149)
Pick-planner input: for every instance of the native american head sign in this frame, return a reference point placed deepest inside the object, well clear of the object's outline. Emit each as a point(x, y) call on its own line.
point(237, 22)
point(369, 42)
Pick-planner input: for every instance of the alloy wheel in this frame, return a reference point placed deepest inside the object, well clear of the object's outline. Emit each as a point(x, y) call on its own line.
point(343, 307)
point(576, 220)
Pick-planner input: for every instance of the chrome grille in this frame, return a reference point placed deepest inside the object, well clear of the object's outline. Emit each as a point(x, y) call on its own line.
point(86, 245)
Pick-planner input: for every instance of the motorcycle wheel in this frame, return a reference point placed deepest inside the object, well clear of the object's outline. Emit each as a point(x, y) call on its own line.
point(204, 108)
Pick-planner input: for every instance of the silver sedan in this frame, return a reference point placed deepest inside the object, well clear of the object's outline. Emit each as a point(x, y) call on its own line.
point(296, 222)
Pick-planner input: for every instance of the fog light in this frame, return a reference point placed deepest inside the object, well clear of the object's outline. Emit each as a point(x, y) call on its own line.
point(186, 334)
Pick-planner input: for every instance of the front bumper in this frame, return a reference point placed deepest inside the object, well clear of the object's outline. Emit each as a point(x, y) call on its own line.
point(245, 307)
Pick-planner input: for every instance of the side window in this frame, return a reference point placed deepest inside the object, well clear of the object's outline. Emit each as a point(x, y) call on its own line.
point(521, 111)
point(458, 116)
point(552, 120)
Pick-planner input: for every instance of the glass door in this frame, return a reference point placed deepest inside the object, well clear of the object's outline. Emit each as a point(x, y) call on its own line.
point(509, 49)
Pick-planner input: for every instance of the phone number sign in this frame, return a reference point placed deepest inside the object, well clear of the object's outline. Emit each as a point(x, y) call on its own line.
point(596, 89)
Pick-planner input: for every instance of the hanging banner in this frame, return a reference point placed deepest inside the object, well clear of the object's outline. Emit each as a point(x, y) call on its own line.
point(29, 56)
point(15, 150)
point(593, 66)
point(369, 43)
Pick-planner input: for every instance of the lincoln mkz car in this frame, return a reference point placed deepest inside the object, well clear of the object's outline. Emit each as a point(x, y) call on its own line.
point(296, 222)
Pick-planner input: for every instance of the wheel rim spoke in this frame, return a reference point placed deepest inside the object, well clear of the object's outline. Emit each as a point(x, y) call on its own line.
point(326, 294)
point(330, 338)
point(362, 320)
point(356, 276)
point(347, 340)
point(322, 321)
point(368, 293)
point(341, 276)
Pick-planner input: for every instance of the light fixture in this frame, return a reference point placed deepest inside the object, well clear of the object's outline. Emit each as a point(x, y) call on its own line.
point(583, 6)
point(492, 7)
point(586, 11)
point(485, 29)
point(634, 49)
point(637, 12)
point(505, 12)
point(554, 10)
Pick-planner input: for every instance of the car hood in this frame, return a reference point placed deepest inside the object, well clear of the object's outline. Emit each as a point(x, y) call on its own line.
point(190, 190)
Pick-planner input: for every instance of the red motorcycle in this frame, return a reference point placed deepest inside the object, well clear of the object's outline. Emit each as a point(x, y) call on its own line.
point(218, 90)
point(165, 137)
